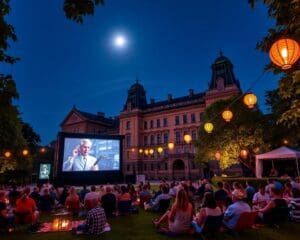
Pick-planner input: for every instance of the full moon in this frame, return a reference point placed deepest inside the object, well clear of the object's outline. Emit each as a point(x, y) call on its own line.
point(120, 41)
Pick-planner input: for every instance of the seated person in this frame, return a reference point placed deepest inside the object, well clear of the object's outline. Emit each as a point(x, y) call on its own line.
point(261, 198)
point(234, 211)
point(276, 210)
point(90, 196)
point(6, 219)
point(154, 204)
point(72, 202)
point(95, 220)
point(46, 201)
point(179, 218)
point(209, 208)
point(144, 195)
point(294, 205)
point(26, 208)
point(109, 202)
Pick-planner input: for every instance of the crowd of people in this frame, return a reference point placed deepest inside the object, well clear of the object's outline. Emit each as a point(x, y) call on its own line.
point(184, 206)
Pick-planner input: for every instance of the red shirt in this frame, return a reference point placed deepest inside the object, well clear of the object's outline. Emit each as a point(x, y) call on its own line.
point(25, 205)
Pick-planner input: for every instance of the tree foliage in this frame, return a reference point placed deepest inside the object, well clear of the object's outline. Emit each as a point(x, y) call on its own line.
point(244, 131)
point(287, 24)
point(78, 9)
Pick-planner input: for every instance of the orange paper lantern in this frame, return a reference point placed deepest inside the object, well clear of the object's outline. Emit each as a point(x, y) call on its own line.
point(285, 52)
point(250, 100)
point(227, 115)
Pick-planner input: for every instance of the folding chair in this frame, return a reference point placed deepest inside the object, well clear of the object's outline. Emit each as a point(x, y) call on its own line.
point(246, 221)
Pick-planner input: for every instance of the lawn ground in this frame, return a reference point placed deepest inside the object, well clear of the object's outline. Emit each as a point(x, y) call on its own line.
point(139, 227)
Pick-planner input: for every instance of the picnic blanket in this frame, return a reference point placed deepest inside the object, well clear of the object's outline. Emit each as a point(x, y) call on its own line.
point(47, 227)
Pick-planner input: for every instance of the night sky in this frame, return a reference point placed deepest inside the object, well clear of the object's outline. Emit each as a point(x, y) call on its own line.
point(171, 45)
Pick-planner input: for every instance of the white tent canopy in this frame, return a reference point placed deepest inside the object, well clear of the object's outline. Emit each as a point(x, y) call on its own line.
point(278, 153)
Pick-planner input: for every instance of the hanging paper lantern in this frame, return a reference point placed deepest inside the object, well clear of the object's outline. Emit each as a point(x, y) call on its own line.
point(7, 154)
point(140, 150)
point(250, 100)
point(285, 52)
point(159, 150)
point(170, 145)
point(132, 149)
point(187, 138)
point(285, 142)
point(227, 115)
point(146, 151)
point(208, 127)
point(244, 153)
point(25, 152)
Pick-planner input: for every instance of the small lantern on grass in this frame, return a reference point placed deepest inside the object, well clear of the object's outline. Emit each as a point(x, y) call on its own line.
point(62, 222)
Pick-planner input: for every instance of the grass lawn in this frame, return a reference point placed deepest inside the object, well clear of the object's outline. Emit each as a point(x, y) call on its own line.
point(139, 227)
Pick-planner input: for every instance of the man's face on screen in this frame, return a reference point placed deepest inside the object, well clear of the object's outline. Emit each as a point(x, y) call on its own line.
point(85, 149)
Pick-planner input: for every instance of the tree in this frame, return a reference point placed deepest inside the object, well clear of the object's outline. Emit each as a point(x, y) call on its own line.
point(11, 139)
point(244, 131)
point(277, 131)
point(287, 24)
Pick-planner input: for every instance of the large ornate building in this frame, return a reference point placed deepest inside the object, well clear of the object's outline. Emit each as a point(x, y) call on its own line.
point(149, 127)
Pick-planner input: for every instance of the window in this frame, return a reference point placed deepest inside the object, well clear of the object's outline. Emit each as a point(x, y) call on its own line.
point(158, 138)
point(184, 119)
point(145, 140)
point(177, 137)
point(128, 140)
point(194, 135)
point(166, 137)
point(193, 118)
point(201, 116)
point(145, 125)
point(177, 120)
point(165, 122)
point(151, 140)
point(158, 123)
point(128, 125)
point(151, 124)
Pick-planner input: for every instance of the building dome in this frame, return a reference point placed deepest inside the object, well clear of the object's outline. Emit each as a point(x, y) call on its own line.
point(222, 70)
point(136, 97)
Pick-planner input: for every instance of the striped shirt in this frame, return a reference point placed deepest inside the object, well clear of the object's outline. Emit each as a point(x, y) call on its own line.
point(294, 206)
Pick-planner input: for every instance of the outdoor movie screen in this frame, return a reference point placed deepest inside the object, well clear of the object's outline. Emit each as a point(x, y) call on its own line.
point(91, 154)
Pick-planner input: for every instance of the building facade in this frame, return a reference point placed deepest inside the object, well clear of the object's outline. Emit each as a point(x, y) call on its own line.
point(154, 132)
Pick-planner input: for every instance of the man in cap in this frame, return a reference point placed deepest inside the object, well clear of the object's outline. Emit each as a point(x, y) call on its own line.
point(233, 212)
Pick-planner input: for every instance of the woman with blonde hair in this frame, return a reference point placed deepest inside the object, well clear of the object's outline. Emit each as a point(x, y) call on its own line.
point(179, 218)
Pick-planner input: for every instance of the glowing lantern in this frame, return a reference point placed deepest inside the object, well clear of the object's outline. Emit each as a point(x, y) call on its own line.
point(250, 100)
point(218, 155)
point(61, 222)
point(208, 127)
point(132, 149)
point(7, 154)
point(151, 151)
point(140, 150)
point(43, 150)
point(25, 152)
point(146, 151)
point(159, 150)
point(244, 153)
point(171, 145)
point(227, 115)
point(187, 138)
point(285, 142)
point(285, 52)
